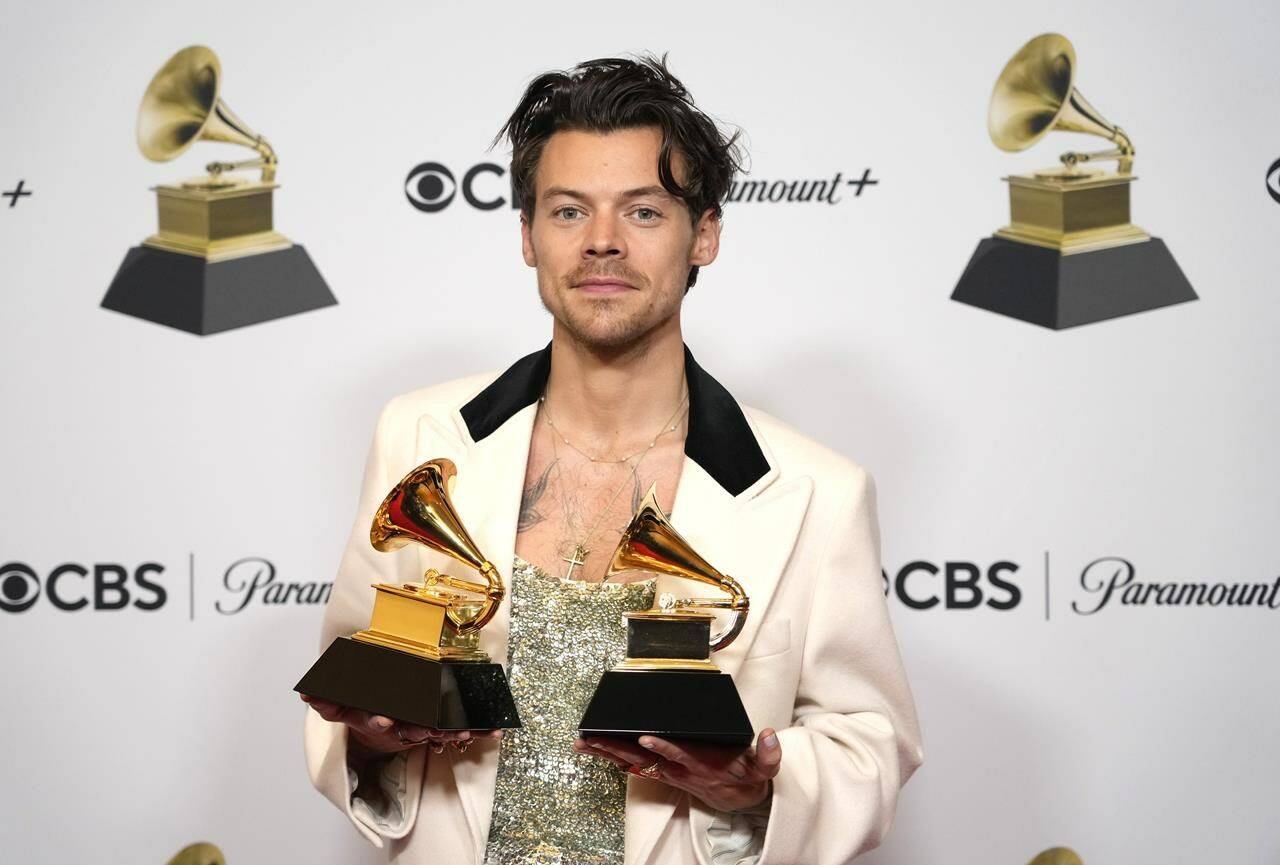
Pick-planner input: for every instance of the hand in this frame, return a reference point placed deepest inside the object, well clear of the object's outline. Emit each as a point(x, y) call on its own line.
point(724, 778)
point(375, 735)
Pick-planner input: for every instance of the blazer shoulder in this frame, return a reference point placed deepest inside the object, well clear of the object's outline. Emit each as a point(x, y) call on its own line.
point(795, 453)
point(439, 400)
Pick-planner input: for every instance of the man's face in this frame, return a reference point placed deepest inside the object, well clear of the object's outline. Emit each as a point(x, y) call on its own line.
point(612, 247)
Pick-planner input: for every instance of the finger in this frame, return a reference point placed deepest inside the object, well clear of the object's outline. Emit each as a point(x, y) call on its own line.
point(588, 751)
point(671, 751)
point(412, 733)
point(581, 746)
point(624, 749)
point(768, 756)
point(375, 724)
point(328, 710)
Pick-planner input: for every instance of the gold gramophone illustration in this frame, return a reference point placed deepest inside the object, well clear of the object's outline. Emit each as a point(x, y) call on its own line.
point(1070, 254)
point(216, 261)
point(668, 685)
point(419, 660)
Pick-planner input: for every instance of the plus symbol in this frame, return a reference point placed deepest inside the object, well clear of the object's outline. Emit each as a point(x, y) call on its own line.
point(864, 180)
point(14, 194)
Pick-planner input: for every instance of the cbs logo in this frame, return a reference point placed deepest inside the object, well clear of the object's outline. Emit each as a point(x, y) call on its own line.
point(73, 587)
point(431, 187)
point(917, 585)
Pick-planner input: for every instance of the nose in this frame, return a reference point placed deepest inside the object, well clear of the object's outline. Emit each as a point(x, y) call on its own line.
point(603, 238)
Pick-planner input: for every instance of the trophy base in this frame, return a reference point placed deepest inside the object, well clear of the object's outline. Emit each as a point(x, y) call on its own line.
point(1055, 290)
point(466, 695)
point(695, 706)
point(203, 297)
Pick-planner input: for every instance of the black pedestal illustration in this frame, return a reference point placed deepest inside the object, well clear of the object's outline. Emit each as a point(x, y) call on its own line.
point(1057, 291)
point(464, 695)
point(203, 297)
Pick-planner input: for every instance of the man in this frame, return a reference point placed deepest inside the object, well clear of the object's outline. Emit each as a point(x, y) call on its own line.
point(621, 179)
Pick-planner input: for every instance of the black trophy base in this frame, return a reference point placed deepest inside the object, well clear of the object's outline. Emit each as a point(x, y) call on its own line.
point(675, 704)
point(444, 695)
point(1057, 291)
point(205, 297)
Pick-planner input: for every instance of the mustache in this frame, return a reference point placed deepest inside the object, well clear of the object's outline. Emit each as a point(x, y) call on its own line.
point(610, 270)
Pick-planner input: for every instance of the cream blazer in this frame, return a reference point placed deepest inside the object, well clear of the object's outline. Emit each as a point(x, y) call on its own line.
point(793, 521)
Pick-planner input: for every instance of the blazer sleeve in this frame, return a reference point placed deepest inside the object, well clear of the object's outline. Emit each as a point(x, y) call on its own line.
point(855, 739)
point(350, 606)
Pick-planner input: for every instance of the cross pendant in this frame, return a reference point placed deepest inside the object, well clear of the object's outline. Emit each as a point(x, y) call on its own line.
point(579, 557)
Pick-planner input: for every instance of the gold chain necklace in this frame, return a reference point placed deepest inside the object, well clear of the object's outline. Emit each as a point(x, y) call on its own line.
point(580, 549)
point(666, 428)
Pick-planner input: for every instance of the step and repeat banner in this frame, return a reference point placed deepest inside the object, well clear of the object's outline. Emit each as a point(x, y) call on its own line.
point(1046, 323)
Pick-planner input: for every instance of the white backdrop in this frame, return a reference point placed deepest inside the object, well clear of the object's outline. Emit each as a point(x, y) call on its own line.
point(1134, 735)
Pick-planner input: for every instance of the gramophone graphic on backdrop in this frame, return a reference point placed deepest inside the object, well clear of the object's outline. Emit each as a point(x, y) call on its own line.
point(1070, 255)
point(216, 263)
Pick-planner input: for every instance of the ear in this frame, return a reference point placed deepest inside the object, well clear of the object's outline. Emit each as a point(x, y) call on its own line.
point(706, 240)
point(526, 242)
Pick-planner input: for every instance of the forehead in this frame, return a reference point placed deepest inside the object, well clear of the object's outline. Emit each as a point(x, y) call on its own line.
point(602, 162)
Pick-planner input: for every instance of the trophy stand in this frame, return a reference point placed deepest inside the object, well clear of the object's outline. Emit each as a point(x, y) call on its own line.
point(216, 263)
point(420, 659)
point(409, 666)
point(668, 686)
point(1070, 254)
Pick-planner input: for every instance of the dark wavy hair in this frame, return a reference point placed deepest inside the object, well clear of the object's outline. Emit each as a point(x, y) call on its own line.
point(614, 93)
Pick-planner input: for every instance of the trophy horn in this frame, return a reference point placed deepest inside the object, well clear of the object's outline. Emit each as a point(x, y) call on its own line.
point(182, 105)
point(418, 510)
point(651, 543)
point(1036, 94)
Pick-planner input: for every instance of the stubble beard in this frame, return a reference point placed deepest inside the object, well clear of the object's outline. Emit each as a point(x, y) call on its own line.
point(604, 324)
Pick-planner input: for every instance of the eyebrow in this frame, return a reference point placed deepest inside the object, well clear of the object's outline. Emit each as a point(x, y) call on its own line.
point(638, 192)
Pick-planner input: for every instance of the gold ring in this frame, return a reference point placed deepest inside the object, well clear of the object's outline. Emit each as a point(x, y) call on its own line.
point(462, 745)
point(403, 740)
point(652, 771)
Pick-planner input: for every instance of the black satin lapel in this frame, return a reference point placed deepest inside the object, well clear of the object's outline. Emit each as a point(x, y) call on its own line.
point(720, 440)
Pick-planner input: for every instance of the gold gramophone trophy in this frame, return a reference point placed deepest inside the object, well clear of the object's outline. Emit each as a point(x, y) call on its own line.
point(419, 660)
point(216, 262)
point(1069, 255)
point(668, 686)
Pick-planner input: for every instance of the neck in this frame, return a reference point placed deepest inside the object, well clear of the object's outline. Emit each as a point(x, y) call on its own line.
point(615, 398)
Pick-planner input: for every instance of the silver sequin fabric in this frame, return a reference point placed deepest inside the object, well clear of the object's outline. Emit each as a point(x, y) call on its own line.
point(552, 806)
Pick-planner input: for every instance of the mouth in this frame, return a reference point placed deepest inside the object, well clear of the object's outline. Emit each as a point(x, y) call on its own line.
point(603, 285)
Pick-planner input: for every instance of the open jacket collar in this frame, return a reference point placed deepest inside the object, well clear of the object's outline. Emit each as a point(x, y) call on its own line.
point(719, 438)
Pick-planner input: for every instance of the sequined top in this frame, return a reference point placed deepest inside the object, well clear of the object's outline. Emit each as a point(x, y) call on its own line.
point(550, 804)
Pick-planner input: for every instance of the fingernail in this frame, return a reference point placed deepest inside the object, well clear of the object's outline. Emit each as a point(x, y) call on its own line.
point(647, 743)
point(464, 736)
point(384, 723)
point(771, 741)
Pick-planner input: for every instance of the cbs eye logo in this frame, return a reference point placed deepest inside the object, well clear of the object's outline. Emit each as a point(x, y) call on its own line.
point(431, 187)
point(1273, 181)
point(19, 587)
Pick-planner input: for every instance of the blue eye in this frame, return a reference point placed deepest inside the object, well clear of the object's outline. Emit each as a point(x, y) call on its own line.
point(430, 187)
